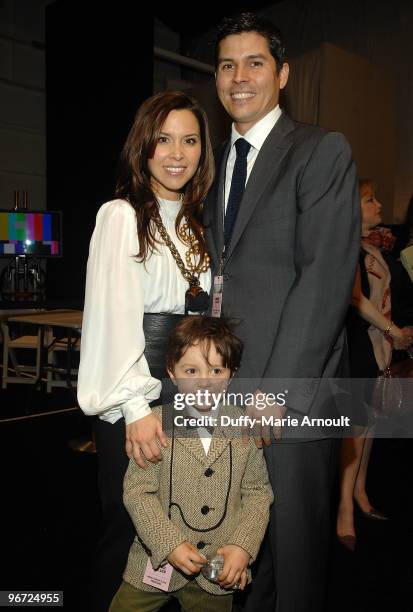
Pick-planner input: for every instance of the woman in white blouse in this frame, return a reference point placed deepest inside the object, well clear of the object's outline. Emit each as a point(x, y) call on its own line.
point(135, 291)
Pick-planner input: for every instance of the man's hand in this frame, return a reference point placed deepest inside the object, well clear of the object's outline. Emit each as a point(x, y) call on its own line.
point(402, 338)
point(186, 558)
point(235, 566)
point(141, 440)
point(262, 408)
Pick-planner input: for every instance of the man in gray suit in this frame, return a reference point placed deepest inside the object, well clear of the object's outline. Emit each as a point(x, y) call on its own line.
point(283, 230)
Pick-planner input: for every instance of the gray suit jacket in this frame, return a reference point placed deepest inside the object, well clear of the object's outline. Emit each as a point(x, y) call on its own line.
point(290, 265)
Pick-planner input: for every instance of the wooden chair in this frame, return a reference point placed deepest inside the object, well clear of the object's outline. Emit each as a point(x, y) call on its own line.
point(24, 374)
point(28, 374)
point(57, 376)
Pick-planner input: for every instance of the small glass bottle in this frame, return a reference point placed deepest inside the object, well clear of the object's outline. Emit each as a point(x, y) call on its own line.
point(213, 567)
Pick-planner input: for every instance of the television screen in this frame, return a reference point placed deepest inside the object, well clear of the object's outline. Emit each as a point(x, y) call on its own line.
point(36, 233)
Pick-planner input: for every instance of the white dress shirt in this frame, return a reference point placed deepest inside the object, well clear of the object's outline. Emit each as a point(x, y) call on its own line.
point(256, 137)
point(114, 378)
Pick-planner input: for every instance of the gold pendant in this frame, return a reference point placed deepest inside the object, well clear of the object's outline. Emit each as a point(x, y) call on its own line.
point(194, 290)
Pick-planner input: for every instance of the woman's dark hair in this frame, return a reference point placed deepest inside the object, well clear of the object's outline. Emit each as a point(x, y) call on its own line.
point(251, 22)
point(134, 177)
point(197, 329)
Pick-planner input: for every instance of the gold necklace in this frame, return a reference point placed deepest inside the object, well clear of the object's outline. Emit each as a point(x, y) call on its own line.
point(194, 249)
point(192, 274)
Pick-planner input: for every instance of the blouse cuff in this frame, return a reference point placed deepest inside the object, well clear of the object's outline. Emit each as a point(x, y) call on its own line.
point(138, 406)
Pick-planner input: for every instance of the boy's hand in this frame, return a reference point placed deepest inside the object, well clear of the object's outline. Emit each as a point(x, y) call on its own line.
point(186, 558)
point(235, 566)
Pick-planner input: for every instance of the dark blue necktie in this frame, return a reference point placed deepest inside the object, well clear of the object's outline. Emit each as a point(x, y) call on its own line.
point(239, 176)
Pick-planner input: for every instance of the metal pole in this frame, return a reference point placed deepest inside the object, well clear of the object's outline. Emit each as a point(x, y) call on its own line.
point(182, 60)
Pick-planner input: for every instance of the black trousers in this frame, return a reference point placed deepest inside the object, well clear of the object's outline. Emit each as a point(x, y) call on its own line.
point(291, 571)
point(118, 530)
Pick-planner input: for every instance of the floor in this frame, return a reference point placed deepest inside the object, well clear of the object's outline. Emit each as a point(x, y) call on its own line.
point(50, 515)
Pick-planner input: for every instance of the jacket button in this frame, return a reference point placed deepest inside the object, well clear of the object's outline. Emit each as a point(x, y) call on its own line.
point(225, 277)
point(208, 472)
point(205, 509)
point(201, 545)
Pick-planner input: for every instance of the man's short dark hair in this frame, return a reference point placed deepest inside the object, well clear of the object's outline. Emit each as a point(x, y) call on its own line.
point(197, 329)
point(251, 22)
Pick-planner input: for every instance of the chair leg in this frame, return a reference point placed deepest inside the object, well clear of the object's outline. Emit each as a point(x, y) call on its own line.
point(48, 338)
point(38, 354)
point(49, 377)
point(6, 338)
point(15, 362)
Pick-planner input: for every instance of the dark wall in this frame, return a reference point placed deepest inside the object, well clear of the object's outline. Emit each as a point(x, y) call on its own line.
point(99, 67)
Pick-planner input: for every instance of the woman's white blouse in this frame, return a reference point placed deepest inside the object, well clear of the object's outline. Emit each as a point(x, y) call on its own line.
point(114, 377)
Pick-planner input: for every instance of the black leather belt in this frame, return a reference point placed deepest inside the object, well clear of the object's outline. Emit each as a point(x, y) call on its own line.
point(157, 328)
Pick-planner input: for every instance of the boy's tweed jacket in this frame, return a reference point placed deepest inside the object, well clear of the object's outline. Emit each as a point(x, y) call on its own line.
point(200, 486)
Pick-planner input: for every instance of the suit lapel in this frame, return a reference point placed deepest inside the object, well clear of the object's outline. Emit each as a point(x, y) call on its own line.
point(194, 446)
point(218, 444)
point(265, 168)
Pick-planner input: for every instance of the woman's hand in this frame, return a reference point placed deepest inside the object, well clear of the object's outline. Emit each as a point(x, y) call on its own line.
point(402, 338)
point(141, 440)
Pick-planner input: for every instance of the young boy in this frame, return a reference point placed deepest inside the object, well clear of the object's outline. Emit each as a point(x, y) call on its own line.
point(210, 493)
